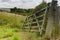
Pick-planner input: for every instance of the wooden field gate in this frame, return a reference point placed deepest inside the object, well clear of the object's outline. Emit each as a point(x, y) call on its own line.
point(44, 21)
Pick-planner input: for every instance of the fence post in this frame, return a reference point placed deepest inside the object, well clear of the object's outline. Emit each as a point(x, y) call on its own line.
point(54, 10)
point(44, 22)
point(53, 22)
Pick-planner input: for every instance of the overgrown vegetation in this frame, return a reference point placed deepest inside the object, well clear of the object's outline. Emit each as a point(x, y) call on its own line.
point(21, 11)
point(11, 24)
point(28, 11)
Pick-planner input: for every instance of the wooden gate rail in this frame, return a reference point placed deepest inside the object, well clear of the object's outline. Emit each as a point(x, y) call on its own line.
point(44, 21)
point(39, 23)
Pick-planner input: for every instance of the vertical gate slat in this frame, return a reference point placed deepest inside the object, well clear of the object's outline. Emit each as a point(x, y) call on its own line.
point(44, 20)
point(37, 23)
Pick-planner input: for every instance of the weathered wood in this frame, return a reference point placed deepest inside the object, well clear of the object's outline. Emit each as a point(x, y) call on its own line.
point(40, 16)
point(34, 30)
point(53, 22)
point(28, 23)
point(37, 23)
point(39, 11)
point(49, 21)
point(33, 27)
point(44, 20)
point(34, 22)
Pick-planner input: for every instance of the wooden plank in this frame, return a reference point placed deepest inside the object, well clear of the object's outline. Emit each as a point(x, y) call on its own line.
point(28, 18)
point(24, 22)
point(34, 30)
point(40, 16)
point(42, 10)
point(44, 19)
point(37, 24)
point(26, 27)
point(53, 23)
point(34, 27)
point(34, 22)
point(39, 11)
point(28, 23)
point(41, 21)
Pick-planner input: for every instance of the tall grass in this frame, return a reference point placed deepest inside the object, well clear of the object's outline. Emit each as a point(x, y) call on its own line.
point(11, 20)
point(10, 28)
point(10, 25)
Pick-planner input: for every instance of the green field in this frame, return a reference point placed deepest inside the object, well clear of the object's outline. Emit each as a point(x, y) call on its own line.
point(10, 26)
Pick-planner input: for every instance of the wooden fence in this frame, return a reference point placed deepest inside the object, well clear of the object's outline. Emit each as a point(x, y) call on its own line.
point(45, 22)
point(37, 21)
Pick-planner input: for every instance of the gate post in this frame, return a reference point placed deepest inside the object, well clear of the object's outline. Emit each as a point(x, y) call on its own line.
point(55, 14)
point(52, 30)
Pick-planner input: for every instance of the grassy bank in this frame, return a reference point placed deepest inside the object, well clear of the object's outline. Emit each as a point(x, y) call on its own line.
point(10, 26)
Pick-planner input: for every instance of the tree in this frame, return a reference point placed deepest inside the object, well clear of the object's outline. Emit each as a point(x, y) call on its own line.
point(13, 10)
point(40, 6)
